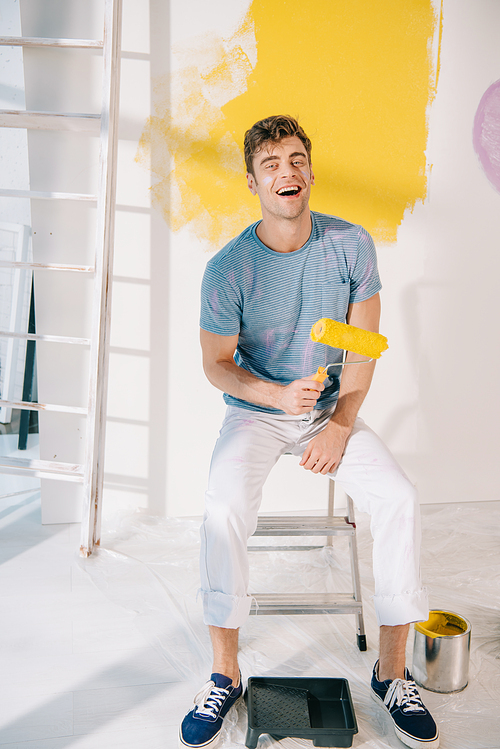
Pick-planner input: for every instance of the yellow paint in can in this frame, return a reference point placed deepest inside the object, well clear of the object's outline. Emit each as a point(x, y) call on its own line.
point(442, 624)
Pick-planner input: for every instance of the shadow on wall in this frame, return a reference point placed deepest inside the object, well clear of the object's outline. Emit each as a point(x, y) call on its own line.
point(136, 441)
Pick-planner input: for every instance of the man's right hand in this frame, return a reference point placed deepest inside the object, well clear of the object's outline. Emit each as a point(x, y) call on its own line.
point(300, 396)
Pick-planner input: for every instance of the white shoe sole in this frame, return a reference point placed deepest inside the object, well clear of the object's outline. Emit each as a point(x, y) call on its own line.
point(410, 741)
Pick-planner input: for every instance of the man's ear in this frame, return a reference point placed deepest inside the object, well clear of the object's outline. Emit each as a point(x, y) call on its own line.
point(251, 182)
point(312, 175)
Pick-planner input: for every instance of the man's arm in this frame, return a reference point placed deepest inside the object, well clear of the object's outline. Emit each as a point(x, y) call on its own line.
point(325, 451)
point(299, 397)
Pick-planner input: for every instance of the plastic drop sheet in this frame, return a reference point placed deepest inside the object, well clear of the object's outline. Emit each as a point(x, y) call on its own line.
point(149, 565)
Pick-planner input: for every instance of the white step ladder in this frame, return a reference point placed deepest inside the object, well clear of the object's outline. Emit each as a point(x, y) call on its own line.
point(106, 125)
point(330, 525)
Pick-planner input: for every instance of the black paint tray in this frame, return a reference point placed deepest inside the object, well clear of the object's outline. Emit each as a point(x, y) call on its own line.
point(317, 709)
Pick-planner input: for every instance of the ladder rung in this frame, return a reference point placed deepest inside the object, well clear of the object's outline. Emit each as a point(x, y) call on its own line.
point(46, 195)
point(42, 468)
point(29, 406)
point(38, 41)
point(49, 338)
point(46, 266)
point(75, 122)
point(283, 548)
point(315, 525)
point(292, 604)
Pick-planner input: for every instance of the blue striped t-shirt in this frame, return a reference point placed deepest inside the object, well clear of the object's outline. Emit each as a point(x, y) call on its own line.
point(272, 300)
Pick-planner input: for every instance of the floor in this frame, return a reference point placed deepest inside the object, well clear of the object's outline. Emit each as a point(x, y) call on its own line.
point(109, 652)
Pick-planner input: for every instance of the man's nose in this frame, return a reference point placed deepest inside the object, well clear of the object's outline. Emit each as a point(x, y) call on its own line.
point(285, 171)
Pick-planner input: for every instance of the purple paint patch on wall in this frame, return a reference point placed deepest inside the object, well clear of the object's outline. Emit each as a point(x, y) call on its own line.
point(486, 133)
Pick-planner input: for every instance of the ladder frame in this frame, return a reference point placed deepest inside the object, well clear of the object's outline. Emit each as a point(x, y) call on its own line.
point(18, 290)
point(106, 124)
point(292, 604)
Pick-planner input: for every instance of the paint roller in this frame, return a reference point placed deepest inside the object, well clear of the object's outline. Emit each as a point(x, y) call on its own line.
point(348, 337)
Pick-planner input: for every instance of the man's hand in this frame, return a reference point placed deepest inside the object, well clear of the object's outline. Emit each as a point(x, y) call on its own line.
point(324, 452)
point(300, 396)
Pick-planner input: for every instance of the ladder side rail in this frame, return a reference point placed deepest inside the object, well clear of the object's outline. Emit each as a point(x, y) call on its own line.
point(16, 311)
point(353, 547)
point(101, 316)
point(331, 507)
point(29, 373)
point(356, 580)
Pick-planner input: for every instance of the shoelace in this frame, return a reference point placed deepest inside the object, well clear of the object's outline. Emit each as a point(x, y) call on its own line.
point(404, 693)
point(209, 700)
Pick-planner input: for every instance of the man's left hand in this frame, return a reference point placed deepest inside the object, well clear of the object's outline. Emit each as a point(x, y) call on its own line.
point(324, 452)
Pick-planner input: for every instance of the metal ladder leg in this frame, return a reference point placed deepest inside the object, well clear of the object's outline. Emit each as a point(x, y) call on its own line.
point(356, 582)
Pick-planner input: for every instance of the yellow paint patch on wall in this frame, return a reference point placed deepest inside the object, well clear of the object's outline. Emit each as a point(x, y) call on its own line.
point(359, 76)
point(196, 164)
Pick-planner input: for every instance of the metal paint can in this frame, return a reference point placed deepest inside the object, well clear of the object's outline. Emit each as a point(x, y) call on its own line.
point(441, 651)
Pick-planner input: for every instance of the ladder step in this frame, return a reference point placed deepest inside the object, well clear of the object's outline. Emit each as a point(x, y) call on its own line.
point(77, 123)
point(49, 338)
point(42, 469)
point(29, 406)
point(39, 41)
point(46, 266)
point(291, 604)
point(46, 195)
point(284, 548)
point(282, 525)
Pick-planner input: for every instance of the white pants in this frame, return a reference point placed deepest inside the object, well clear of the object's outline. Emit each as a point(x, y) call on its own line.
point(249, 445)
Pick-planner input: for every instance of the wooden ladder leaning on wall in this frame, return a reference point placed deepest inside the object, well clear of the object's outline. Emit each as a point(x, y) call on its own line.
point(106, 124)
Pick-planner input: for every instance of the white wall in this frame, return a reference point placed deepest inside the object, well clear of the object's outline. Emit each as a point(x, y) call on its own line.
point(433, 399)
point(436, 401)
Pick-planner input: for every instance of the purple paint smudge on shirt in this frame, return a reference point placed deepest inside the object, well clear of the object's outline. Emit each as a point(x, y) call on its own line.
point(214, 301)
point(486, 133)
point(307, 358)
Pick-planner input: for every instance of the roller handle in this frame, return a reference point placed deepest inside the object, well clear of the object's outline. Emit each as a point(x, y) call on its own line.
point(321, 375)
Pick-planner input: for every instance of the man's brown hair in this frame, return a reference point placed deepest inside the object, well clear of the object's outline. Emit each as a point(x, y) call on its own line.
point(272, 130)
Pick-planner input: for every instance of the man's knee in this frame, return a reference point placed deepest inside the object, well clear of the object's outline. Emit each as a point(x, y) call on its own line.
point(395, 497)
point(229, 516)
point(406, 494)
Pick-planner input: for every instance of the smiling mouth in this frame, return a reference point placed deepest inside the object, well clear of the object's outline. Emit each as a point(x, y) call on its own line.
point(290, 191)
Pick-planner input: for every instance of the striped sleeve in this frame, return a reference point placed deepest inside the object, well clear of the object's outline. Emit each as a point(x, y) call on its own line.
point(220, 304)
point(365, 280)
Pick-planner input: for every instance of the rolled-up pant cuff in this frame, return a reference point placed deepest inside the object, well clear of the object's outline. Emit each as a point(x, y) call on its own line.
point(223, 610)
point(403, 608)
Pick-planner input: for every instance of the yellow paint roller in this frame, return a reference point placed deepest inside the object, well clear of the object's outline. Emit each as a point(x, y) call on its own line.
point(348, 337)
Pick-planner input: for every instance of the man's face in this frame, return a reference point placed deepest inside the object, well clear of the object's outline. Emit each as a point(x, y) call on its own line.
point(283, 178)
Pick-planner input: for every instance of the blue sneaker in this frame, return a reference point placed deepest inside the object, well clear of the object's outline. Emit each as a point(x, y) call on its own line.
point(413, 723)
point(202, 726)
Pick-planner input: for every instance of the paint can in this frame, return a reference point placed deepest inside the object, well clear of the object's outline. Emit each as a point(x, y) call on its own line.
point(441, 651)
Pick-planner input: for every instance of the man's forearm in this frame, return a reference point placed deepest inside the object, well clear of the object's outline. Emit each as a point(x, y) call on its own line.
point(298, 397)
point(354, 385)
point(356, 378)
point(242, 384)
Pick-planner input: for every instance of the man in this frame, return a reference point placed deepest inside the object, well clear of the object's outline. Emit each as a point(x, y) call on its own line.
point(261, 295)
